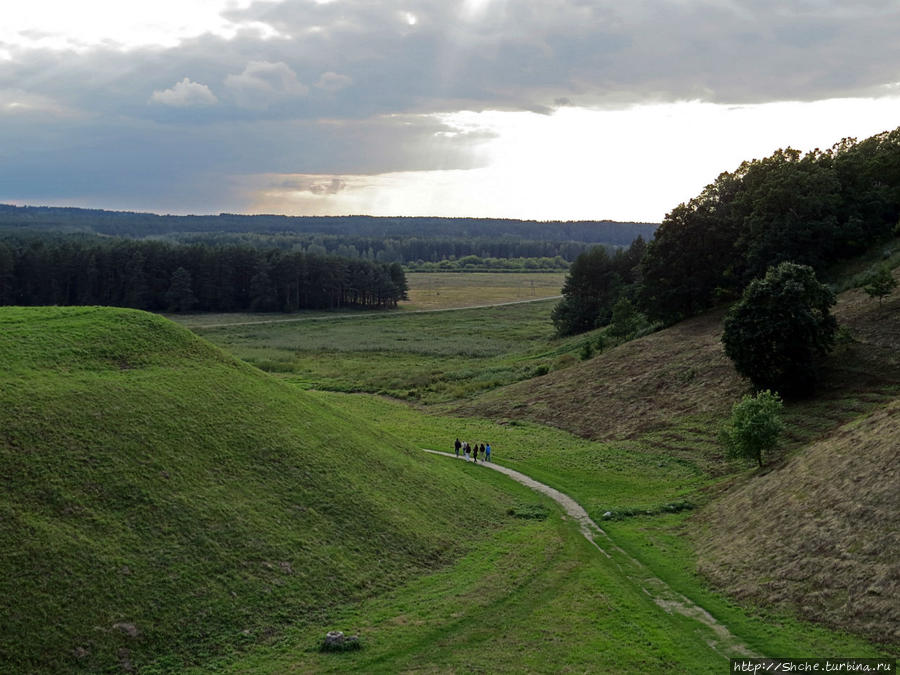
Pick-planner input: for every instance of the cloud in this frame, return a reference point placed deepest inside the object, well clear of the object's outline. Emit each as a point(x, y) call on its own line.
point(334, 82)
point(353, 87)
point(185, 94)
point(317, 185)
point(264, 82)
point(19, 102)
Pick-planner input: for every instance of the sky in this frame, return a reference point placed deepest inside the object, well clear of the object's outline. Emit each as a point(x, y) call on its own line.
point(536, 109)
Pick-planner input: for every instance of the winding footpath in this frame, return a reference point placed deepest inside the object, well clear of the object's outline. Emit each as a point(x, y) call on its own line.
point(724, 641)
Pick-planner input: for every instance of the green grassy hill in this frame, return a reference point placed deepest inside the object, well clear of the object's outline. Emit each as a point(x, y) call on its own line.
point(164, 504)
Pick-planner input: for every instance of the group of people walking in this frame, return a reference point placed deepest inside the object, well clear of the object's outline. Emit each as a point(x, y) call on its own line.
point(472, 450)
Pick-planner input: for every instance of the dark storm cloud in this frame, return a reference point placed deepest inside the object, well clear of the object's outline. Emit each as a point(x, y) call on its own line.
point(341, 86)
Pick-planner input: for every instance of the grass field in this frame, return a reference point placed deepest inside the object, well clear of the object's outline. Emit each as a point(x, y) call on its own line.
point(542, 599)
point(656, 401)
point(164, 504)
point(168, 508)
point(427, 357)
point(427, 292)
point(443, 290)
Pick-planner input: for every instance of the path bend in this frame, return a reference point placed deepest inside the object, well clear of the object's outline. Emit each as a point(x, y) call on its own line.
point(666, 597)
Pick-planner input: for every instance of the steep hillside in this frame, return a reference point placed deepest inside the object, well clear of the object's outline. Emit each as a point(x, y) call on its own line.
point(674, 387)
point(820, 534)
point(815, 532)
point(163, 503)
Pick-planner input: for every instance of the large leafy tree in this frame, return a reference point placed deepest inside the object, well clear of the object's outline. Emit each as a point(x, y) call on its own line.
point(690, 259)
point(781, 329)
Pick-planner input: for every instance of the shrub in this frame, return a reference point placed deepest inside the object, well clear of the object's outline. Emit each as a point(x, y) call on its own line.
point(587, 350)
point(879, 282)
point(754, 426)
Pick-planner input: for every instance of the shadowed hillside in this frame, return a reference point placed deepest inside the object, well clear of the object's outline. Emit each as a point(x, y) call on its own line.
point(818, 535)
point(164, 503)
point(674, 387)
point(815, 531)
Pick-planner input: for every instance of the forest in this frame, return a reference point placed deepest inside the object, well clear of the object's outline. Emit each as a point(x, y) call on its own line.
point(815, 208)
point(410, 240)
point(160, 276)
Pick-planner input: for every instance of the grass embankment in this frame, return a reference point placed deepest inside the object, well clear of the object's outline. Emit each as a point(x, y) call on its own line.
point(818, 535)
point(165, 504)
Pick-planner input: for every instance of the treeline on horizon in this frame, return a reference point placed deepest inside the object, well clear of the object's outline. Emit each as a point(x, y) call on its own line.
point(161, 276)
point(422, 253)
point(816, 208)
point(407, 240)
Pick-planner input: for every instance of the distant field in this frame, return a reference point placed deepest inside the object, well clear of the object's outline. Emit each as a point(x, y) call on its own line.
point(441, 290)
point(431, 357)
point(427, 291)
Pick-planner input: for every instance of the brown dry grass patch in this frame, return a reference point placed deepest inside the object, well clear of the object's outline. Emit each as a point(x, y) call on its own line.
point(818, 535)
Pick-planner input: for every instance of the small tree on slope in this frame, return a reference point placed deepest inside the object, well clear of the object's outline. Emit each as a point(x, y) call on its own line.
point(781, 329)
point(879, 283)
point(754, 426)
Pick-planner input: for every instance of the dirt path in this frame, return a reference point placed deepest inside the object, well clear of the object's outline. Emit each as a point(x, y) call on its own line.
point(364, 315)
point(723, 642)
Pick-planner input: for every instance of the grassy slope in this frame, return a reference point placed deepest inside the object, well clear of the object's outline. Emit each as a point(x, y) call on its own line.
point(669, 391)
point(149, 480)
point(818, 535)
point(825, 543)
point(604, 476)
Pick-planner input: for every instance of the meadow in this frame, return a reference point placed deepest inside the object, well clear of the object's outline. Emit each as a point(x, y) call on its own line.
point(175, 509)
point(542, 599)
point(445, 290)
point(428, 357)
point(651, 477)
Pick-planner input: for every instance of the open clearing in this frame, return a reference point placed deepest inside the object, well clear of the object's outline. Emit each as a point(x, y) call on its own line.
point(445, 290)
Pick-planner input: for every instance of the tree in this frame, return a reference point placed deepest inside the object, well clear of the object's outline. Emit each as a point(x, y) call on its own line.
point(588, 292)
point(626, 320)
point(879, 283)
point(262, 293)
point(181, 296)
point(780, 329)
point(754, 426)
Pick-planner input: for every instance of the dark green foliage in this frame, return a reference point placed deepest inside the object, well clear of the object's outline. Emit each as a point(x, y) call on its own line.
point(349, 643)
point(754, 427)
point(152, 275)
point(415, 241)
point(181, 293)
point(529, 511)
point(781, 328)
point(879, 283)
point(587, 350)
point(595, 281)
point(672, 507)
point(626, 320)
point(813, 209)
